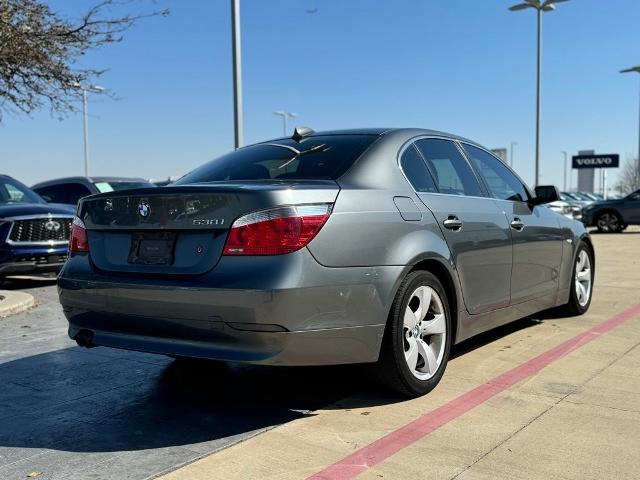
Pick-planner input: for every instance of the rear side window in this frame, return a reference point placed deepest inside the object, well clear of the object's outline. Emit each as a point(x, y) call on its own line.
point(502, 183)
point(316, 157)
point(67, 193)
point(453, 175)
point(416, 171)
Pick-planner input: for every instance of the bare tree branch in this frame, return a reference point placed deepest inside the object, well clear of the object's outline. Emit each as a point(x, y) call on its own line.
point(39, 51)
point(629, 179)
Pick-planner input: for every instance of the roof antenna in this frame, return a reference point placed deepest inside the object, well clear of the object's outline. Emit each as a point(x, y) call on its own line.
point(301, 132)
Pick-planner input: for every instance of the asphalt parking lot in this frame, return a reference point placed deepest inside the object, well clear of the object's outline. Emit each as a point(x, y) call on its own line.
point(67, 412)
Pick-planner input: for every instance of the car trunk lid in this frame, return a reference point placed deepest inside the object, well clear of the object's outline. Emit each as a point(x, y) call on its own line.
point(182, 229)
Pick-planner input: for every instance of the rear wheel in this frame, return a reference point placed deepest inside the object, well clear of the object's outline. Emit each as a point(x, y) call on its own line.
point(609, 222)
point(582, 282)
point(418, 338)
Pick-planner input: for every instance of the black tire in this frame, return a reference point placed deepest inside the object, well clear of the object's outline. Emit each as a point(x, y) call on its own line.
point(573, 307)
point(609, 222)
point(392, 366)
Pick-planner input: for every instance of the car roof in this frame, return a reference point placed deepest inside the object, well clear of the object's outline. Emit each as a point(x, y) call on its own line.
point(79, 179)
point(384, 131)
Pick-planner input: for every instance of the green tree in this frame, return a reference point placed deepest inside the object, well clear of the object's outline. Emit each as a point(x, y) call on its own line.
point(40, 49)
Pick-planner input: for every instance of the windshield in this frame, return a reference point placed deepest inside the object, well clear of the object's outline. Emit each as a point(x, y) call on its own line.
point(634, 196)
point(104, 187)
point(582, 196)
point(317, 157)
point(14, 192)
point(571, 196)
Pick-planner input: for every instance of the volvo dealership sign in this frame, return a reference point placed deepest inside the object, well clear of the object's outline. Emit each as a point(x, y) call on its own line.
point(596, 161)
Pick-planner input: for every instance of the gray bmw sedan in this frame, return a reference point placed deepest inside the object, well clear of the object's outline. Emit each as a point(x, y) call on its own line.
point(382, 246)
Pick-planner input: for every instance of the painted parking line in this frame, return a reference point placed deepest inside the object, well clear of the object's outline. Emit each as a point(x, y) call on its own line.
point(378, 451)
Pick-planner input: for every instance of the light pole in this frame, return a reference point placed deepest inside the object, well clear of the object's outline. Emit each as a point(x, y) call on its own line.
point(285, 115)
point(513, 144)
point(85, 120)
point(636, 70)
point(540, 6)
point(565, 172)
point(237, 72)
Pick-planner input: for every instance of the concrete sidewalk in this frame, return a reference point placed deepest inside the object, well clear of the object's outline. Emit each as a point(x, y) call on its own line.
point(12, 302)
point(578, 418)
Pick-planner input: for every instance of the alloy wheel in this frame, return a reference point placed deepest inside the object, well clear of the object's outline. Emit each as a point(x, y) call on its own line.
point(608, 222)
point(424, 332)
point(583, 278)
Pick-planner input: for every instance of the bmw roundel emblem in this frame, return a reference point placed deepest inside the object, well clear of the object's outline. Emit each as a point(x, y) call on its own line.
point(144, 209)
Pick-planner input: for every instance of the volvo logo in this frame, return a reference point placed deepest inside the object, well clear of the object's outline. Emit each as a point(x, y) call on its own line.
point(144, 209)
point(52, 226)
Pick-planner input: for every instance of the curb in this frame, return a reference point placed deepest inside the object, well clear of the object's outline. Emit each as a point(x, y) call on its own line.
point(14, 302)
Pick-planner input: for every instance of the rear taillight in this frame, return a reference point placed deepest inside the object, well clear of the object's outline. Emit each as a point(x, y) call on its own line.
point(78, 243)
point(277, 231)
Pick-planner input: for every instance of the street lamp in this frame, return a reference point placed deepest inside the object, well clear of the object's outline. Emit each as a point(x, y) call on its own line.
point(513, 144)
point(636, 70)
point(285, 115)
point(85, 118)
point(565, 171)
point(237, 72)
point(540, 6)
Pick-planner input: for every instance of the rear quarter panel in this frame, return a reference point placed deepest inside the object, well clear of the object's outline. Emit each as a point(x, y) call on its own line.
point(366, 227)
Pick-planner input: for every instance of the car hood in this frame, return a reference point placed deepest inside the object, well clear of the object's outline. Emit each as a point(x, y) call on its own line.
point(20, 209)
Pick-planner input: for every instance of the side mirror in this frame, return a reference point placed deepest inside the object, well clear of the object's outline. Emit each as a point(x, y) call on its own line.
point(545, 194)
point(47, 198)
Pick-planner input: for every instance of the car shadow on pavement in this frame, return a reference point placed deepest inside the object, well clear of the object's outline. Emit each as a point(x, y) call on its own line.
point(23, 283)
point(597, 232)
point(104, 400)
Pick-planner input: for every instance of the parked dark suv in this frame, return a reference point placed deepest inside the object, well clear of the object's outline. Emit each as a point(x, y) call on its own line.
point(34, 235)
point(71, 189)
point(611, 216)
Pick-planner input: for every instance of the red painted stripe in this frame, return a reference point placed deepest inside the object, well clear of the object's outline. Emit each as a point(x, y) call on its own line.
point(378, 451)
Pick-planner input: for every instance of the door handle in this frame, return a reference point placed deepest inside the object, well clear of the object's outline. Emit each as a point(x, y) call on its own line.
point(453, 223)
point(517, 224)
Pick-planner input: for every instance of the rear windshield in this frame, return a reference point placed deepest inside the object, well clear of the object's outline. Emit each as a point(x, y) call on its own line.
point(317, 157)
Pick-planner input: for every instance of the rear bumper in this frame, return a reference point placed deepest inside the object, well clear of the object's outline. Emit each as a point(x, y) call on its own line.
point(315, 347)
point(285, 310)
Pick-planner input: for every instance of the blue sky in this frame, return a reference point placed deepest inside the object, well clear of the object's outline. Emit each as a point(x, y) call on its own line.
point(463, 66)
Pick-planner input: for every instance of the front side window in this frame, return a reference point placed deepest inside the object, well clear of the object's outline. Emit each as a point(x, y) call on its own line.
point(453, 175)
point(416, 171)
point(315, 157)
point(501, 182)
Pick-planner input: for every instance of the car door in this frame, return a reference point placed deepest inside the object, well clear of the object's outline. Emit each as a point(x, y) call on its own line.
point(536, 232)
point(474, 228)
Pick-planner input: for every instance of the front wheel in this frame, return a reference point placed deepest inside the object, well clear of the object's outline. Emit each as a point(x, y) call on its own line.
point(609, 222)
point(418, 338)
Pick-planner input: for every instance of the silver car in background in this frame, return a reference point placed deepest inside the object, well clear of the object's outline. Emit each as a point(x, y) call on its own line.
point(382, 246)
